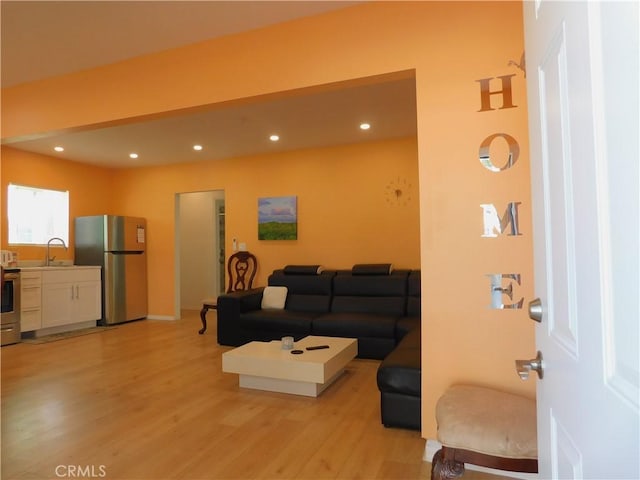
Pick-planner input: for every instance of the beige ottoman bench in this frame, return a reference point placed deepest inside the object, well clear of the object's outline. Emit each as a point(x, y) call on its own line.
point(484, 427)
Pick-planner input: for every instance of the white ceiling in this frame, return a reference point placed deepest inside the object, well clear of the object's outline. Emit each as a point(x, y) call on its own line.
point(50, 38)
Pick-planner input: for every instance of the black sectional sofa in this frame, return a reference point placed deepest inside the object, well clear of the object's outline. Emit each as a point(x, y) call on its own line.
point(378, 306)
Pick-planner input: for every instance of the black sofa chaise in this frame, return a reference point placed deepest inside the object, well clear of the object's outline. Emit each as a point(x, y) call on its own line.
point(373, 303)
point(399, 374)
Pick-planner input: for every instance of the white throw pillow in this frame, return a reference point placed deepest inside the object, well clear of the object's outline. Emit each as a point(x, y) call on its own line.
point(274, 298)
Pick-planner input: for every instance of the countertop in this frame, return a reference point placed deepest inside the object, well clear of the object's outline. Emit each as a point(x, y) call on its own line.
point(57, 267)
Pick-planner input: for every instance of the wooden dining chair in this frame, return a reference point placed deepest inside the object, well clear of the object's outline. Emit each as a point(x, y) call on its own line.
point(241, 270)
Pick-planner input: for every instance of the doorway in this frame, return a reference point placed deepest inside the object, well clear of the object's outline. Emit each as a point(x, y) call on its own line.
point(200, 248)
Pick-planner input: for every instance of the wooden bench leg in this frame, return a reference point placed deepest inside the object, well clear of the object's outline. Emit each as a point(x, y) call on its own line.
point(449, 463)
point(203, 317)
point(443, 468)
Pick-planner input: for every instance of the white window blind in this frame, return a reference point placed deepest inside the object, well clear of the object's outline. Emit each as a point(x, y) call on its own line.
point(35, 215)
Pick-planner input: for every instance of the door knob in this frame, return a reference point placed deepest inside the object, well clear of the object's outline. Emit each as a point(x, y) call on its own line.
point(535, 310)
point(524, 367)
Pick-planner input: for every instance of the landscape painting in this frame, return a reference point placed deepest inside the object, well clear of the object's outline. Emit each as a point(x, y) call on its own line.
point(277, 218)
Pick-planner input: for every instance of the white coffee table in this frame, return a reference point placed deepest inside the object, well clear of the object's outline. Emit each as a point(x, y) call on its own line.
point(265, 366)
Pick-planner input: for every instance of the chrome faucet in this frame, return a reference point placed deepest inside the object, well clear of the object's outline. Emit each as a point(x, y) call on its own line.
point(49, 259)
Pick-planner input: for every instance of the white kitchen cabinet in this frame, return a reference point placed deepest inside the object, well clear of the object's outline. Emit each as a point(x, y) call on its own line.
point(71, 295)
point(30, 301)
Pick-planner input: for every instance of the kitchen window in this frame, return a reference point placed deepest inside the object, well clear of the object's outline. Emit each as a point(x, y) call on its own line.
point(36, 214)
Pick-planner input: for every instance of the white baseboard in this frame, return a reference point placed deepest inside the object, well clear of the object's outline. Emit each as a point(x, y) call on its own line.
point(433, 446)
point(160, 317)
point(430, 449)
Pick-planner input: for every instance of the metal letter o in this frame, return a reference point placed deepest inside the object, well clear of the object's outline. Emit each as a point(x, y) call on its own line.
point(485, 157)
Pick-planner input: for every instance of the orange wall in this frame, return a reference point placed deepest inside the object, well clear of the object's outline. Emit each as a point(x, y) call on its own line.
point(343, 215)
point(449, 45)
point(464, 341)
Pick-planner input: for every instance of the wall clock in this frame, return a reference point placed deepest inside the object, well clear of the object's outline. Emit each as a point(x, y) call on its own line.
point(398, 191)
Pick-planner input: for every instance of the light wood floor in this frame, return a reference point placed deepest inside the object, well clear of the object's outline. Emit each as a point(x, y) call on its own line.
point(148, 400)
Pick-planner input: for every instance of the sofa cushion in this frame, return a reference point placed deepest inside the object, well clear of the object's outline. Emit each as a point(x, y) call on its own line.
point(277, 320)
point(355, 325)
point(306, 293)
point(392, 306)
point(308, 303)
point(487, 421)
point(372, 269)
point(402, 411)
point(400, 371)
point(303, 270)
point(393, 285)
point(274, 298)
point(375, 294)
point(413, 294)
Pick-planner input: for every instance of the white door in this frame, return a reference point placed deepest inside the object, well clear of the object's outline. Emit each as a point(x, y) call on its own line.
point(197, 252)
point(582, 76)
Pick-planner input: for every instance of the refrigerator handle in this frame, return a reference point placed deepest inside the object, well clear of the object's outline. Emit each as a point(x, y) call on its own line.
point(71, 292)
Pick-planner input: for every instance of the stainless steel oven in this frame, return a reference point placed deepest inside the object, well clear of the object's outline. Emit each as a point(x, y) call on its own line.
point(10, 314)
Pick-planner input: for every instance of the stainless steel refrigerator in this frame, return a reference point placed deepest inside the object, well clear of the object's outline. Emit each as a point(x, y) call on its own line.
point(118, 245)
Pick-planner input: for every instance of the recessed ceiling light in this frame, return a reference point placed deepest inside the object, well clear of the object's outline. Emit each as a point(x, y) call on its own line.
point(365, 126)
point(133, 155)
point(274, 138)
point(59, 149)
point(197, 147)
